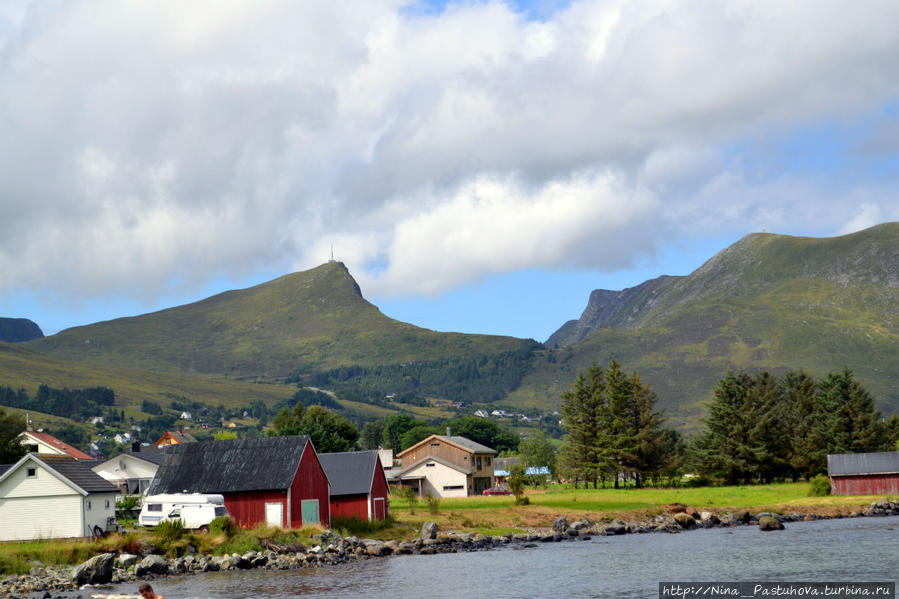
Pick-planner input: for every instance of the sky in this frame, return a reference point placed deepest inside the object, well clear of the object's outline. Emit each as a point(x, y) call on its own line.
point(479, 166)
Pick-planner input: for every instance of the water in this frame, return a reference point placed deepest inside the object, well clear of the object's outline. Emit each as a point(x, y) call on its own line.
point(847, 550)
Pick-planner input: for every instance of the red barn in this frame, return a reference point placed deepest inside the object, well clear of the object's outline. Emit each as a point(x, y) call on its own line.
point(358, 484)
point(864, 473)
point(275, 480)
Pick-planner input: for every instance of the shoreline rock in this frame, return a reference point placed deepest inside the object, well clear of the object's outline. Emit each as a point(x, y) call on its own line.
point(44, 581)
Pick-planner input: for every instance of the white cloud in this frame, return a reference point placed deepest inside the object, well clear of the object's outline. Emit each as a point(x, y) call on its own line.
point(146, 141)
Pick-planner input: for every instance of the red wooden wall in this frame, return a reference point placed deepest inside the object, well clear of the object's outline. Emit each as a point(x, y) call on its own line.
point(861, 484)
point(379, 488)
point(310, 482)
point(248, 507)
point(347, 506)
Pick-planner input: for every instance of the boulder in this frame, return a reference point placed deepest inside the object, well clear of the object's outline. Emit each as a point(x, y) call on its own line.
point(152, 564)
point(96, 570)
point(709, 517)
point(561, 524)
point(615, 529)
point(770, 523)
point(428, 531)
point(685, 520)
point(127, 559)
point(741, 516)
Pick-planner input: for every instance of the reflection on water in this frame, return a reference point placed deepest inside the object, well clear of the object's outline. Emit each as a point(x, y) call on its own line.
point(850, 550)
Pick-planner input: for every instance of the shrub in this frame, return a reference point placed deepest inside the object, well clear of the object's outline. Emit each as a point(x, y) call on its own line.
point(819, 486)
point(355, 526)
point(223, 525)
point(168, 531)
point(433, 504)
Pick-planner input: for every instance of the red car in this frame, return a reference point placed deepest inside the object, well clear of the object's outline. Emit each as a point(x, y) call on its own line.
point(497, 491)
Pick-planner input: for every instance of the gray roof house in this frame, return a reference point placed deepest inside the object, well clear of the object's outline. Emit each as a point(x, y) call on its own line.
point(358, 485)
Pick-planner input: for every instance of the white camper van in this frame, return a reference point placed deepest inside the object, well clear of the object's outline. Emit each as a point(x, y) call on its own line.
point(195, 510)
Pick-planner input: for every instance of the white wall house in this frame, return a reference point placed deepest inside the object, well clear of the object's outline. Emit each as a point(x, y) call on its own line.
point(131, 472)
point(48, 497)
point(42, 442)
point(436, 477)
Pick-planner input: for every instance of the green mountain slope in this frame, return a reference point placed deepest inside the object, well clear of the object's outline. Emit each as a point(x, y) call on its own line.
point(307, 321)
point(768, 301)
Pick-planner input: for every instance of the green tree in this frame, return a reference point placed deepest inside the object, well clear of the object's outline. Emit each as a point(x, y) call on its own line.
point(537, 452)
point(483, 431)
point(394, 427)
point(516, 484)
point(584, 407)
point(11, 426)
point(372, 435)
point(852, 424)
point(415, 434)
point(224, 435)
point(329, 432)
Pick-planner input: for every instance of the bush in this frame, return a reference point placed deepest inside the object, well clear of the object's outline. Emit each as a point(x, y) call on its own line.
point(168, 531)
point(819, 486)
point(433, 504)
point(355, 526)
point(223, 525)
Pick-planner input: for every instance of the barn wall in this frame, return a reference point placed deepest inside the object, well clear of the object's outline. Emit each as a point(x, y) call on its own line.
point(860, 484)
point(310, 482)
point(347, 506)
point(379, 488)
point(248, 507)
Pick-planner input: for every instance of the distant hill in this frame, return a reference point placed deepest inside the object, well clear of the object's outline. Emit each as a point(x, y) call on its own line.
point(17, 330)
point(768, 301)
point(308, 321)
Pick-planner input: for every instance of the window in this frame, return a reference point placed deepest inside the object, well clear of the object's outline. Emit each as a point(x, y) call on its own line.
point(88, 504)
point(435, 444)
point(453, 487)
point(479, 463)
point(107, 504)
point(430, 465)
point(487, 461)
point(30, 472)
point(31, 447)
point(154, 507)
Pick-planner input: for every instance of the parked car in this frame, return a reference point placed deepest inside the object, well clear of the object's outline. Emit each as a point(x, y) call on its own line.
point(497, 491)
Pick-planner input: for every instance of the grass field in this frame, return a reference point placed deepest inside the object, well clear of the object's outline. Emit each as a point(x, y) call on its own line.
point(499, 514)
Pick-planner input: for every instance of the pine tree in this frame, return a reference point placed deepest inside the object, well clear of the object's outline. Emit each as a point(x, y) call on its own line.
point(583, 408)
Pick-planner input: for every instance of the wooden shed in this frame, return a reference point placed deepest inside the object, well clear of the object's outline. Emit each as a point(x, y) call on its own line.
point(276, 480)
point(864, 473)
point(358, 485)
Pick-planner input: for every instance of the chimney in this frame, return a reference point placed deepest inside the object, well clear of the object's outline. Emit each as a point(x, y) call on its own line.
point(449, 433)
point(135, 446)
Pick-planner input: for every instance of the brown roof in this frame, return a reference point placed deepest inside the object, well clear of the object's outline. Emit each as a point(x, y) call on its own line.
point(59, 445)
point(457, 441)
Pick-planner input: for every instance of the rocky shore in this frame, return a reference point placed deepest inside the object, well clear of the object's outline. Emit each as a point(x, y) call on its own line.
point(51, 582)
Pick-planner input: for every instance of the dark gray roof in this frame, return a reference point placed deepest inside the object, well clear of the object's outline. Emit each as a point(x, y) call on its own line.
point(469, 444)
point(154, 457)
point(350, 472)
point(235, 465)
point(80, 473)
point(884, 462)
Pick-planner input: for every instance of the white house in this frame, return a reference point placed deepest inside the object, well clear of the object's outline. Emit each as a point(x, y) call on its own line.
point(43, 442)
point(49, 497)
point(132, 471)
point(434, 476)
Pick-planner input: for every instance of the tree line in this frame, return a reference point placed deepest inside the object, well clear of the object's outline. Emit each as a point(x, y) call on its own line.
point(762, 427)
point(614, 433)
point(68, 403)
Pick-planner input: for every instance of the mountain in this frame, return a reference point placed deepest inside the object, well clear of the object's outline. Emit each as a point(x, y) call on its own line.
point(307, 321)
point(768, 301)
point(17, 330)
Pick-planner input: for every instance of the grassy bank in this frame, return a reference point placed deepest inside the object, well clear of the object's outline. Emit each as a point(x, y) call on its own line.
point(486, 515)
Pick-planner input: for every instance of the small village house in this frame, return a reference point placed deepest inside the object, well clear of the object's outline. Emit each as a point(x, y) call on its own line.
point(174, 438)
point(276, 480)
point(45, 443)
point(864, 473)
point(358, 484)
point(53, 497)
point(445, 466)
point(131, 471)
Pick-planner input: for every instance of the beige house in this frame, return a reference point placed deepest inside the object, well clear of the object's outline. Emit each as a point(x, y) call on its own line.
point(53, 497)
point(45, 443)
point(445, 466)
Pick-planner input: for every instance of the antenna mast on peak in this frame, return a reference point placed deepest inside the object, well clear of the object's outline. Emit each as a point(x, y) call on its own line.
point(332, 253)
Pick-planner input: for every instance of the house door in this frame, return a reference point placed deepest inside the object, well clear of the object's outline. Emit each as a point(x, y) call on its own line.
point(309, 508)
point(274, 514)
point(380, 508)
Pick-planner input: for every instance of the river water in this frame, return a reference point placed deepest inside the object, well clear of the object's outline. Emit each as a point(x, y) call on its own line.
point(844, 550)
